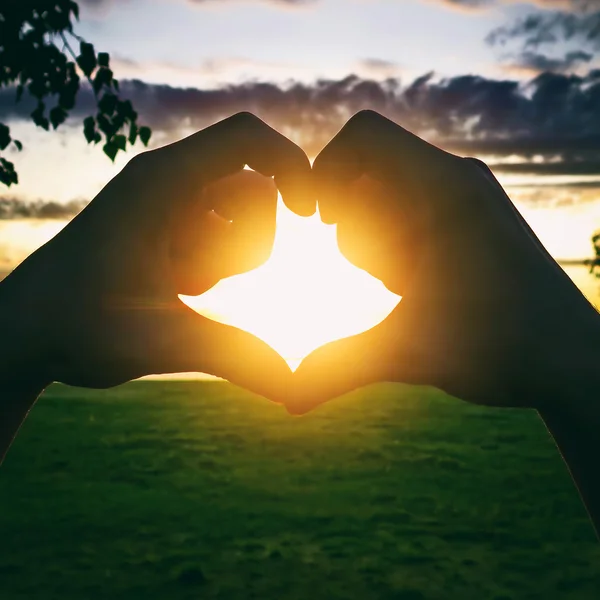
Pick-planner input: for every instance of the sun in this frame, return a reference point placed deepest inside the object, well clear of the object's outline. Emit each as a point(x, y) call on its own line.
point(305, 295)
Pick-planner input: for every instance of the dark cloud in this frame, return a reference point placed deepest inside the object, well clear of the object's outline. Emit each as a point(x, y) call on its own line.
point(574, 22)
point(15, 208)
point(577, 23)
point(530, 61)
point(553, 114)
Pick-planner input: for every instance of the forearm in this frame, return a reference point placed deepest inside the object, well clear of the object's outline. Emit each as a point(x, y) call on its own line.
point(22, 373)
point(577, 436)
point(570, 408)
point(17, 397)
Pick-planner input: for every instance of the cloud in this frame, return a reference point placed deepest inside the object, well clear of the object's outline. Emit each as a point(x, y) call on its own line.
point(574, 22)
point(552, 114)
point(97, 4)
point(97, 8)
point(280, 3)
point(16, 208)
point(579, 6)
point(467, 4)
point(100, 8)
point(211, 72)
point(225, 68)
point(532, 63)
point(541, 28)
point(378, 67)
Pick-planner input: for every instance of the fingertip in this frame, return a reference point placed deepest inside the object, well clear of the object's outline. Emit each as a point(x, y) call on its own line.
point(299, 407)
point(300, 204)
point(299, 196)
point(327, 215)
point(294, 411)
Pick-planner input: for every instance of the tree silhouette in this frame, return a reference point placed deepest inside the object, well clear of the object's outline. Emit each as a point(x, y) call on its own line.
point(37, 54)
point(594, 263)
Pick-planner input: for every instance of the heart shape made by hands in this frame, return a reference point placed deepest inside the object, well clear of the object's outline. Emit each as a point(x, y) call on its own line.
point(305, 295)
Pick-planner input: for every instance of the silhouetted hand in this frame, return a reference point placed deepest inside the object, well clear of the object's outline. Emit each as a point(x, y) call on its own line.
point(484, 308)
point(98, 305)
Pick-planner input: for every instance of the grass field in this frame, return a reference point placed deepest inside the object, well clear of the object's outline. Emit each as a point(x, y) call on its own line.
point(199, 490)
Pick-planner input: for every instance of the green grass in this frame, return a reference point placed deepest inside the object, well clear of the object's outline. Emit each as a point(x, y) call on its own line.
point(200, 490)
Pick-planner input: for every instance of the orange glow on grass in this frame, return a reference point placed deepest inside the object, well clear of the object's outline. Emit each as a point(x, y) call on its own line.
point(305, 295)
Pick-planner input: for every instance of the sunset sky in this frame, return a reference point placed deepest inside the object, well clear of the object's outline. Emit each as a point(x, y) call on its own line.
point(517, 84)
point(486, 77)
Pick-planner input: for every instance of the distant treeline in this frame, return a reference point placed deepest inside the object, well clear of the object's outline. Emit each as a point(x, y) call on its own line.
point(14, 208)
point(574, 262)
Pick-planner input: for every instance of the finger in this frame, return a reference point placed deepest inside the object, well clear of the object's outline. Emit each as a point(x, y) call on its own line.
point(377, 235)
point(249, 201)
point(236, 235)
point(373, 145)
point(184, 341)
point(195, 267)
point(366, 244)
point(243, 139)
point(362, 143)
point(395, 350)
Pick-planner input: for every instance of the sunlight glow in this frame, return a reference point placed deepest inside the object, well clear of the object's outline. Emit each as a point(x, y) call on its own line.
point(305, 295)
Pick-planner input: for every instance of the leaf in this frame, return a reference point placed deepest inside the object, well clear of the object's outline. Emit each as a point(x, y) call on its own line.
point(39, 118)
point(103, 59)
point(103, 77)
point(89, 129)
point(57, 116)
point(18, 144)
point(87, 59)
point(105, 125)
point(110, 150)
point(133, 133)
point(145, 134)
point(125, 109)
point(107, 103)
point(86, 48)
point(120, 141)
point(8, 175)
point(66, 98)
point(5, 138)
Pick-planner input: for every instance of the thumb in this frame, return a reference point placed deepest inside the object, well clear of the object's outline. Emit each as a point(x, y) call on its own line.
point(335, 369)
point(184, 341)
point(387, 352)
